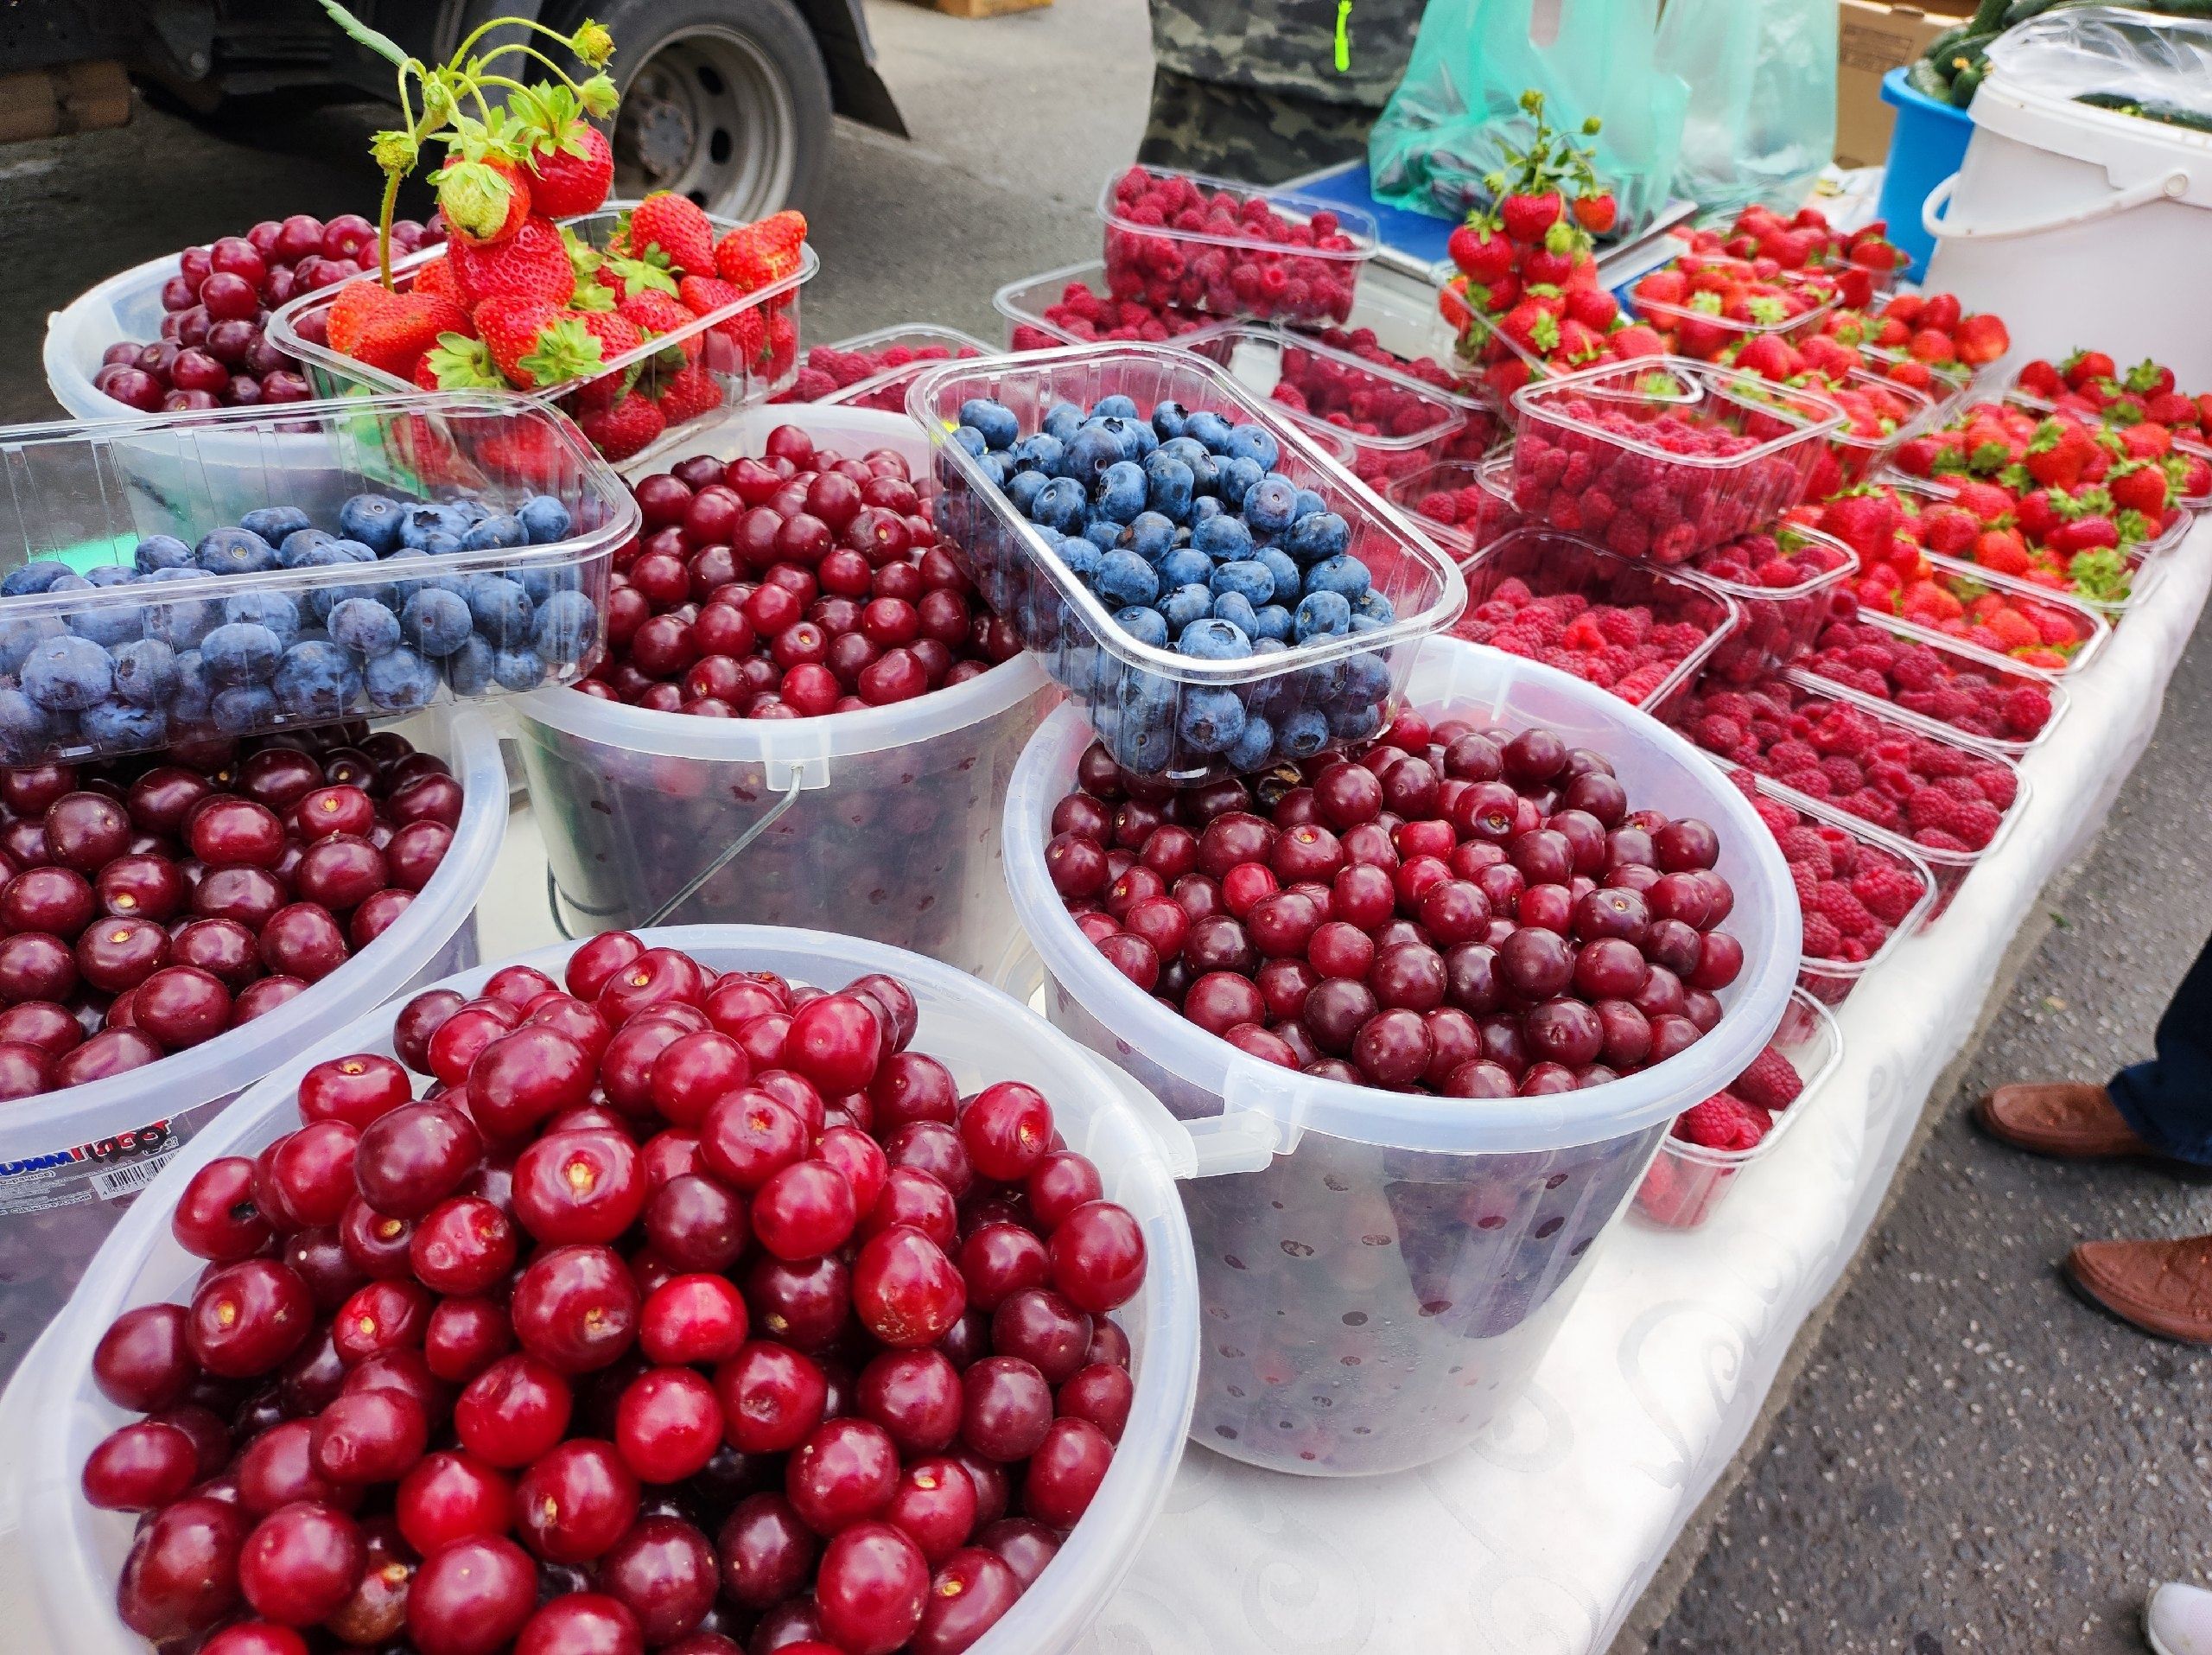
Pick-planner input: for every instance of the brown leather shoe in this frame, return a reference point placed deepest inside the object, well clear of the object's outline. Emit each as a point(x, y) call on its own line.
point(2068, 1118)
point(2162, 1287)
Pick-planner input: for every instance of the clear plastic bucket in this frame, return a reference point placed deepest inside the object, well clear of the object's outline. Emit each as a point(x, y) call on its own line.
point(71, 1161)
point(881, 824)
point(1380, 1286)
point(59, 1558)
point(128, 305)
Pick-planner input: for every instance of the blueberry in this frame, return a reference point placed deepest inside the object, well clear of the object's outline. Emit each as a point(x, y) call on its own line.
point(567, 629)
point(1102, 532)
point(1272, 624)
point(1149, 535)
point(373, 519)
point(321, 600)
point(968, 437)
point(1144, 625)
point(1039, 452)
point(1211, 720)
point(1270, 505)
point(298, 548)
point(1060, 504)
point(25, 730)
point(494, 534)
point(182, 623)
point(1214, 639)
point(469, 669)
point(1204, 509)
point(1302, 734)
point(1339, 574)
point(241, 708)
point(1317, 535)
point(516, 669)
point(1371, 605)
point(1185, 566)
point(1222, 538)
point(994, 420)
point(122, 727)
point(1125, 578)
point(155, 552)
point(1120, 492)
point(1254, 746)
point(1114, 407)
point(1144, 442)
point(272, 609)
point(1364, 678)
point(1022, 489)
point(472, 511)
point(1168, 418)
point(1236, 610)
point(439, 544)
point(1256, 443)
point(273, 522)
point(401, 680)
point(542, 581)
point(500, 609)
point(436, 622)
point(1061, 420)
point(67, 674)
point(70, 582)
point(995, 468)
point(1321, 614)
point(1367, 623)
point(234, 551)
point(1080, 556)
point(110, 624)
point(1142, 743)
point(190, 705)
point(1238, 477)
point(1309, 502)
point(38, 575)
point(1208, 428)
point(417, 524)
point(1248, 577)
point(240, 652)
point(365, 627)
point(1093, 448)
point(1287, 577)
point(402, 563)
point(1183, 605)
point(145, 673)
point(1169, 484)
point(1354, 721)
point(544, 520)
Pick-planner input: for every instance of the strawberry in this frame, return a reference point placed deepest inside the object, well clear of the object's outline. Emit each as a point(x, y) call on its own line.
point(483, 192)
point(2001, 551)
point(781, 350)
point(2147, 442)
point(689, 393)
point(534, 343)
point(459, 363)
point(617, 334)
point(620, 431)
point(1592, 307)
point(531, 264)
point(389, 331)
point(659, 312)
point(2138, 486)
point(625, 277)
point(704, 294)
point(436, 275)
point(570, 163)
point(1480, 251)
point(2040, 378)
point(2085, 366)
point(1597, 213)
point(1637, 340)
point(754, 255)
point(678, 227)
point(1526, 218)
point(1979, 340)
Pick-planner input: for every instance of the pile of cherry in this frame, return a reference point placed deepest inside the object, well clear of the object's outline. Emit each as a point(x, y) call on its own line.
point(682, 1309)
point(152, 904)
point(214, 351)
point(789, 586)
point(1464, 910)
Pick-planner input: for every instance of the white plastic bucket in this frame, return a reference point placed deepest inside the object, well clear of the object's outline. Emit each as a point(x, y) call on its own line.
point(71, 1161)
point(2054, 199)
point(59, 1558)
point(1379, 1288)
point(882, 824)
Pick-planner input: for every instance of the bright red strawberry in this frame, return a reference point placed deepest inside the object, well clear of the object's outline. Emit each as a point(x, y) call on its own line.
point(1592, 307)
point(754, 255)
point(2084, 367)
point(2138, 486)
point(617, 334)
point(1980, 339)
point(1597, 213)
point(690, 392)
point(624, 277)
point(1480, 251)
point(389, 331)
point(531, 264)
point(534, 343)
point(436, 275)
point(678, 227)
point(631, 425)
point(1527, 217)
point(2040, 378)
point(2147, 442)
point(571, 165)
point(1637, 338)
point(659, 312)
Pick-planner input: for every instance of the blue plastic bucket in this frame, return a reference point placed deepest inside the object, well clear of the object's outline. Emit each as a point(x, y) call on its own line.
point(1927, 145)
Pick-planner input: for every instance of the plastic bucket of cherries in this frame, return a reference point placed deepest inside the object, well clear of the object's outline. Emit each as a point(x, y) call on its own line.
point(1430, 1006)
point(549, 1368)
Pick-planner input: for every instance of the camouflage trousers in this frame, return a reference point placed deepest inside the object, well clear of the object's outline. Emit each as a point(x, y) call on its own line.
point(1259, 137)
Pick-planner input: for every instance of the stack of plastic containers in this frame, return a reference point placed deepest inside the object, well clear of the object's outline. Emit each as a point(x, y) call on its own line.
point(873, 370)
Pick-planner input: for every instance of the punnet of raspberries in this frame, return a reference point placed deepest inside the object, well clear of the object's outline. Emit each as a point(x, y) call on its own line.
point(1363, 343)
point(827, 369)
point(1394, 425)
point(678, 1306)
point(1118, 311)
point(1853, 893)
point(1938, 794)
point(1787, 580)
point(1461, 499)
point(1680, 1191)
point(1977, 698)
point(793, 584)
point(1664, 459)
point(1229, 251)
point(1473, 911)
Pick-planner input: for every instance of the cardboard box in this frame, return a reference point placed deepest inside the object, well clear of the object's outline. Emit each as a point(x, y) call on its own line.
point(1871, 40)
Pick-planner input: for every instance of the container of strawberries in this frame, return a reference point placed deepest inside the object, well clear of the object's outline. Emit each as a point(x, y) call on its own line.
point(1710, 306)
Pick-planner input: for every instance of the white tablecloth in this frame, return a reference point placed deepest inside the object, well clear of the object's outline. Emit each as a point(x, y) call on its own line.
point(1538, 1540)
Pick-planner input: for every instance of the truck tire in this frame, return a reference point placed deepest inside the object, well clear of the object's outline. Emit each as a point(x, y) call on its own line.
point(725, 101)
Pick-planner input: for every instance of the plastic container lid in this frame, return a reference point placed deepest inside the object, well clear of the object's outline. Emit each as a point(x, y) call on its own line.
point(68, 1555)
point(1265, 1109)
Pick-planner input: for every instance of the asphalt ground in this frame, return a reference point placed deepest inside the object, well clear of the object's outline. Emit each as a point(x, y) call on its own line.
point(1970, 1459)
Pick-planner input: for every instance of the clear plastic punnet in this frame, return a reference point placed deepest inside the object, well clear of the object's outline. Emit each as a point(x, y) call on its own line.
point(1688, 1181)
point(1602, 452)
point(1709, 336)
point(1379, 1272)
point(1859, 456)
point(140, 603)
point(1950, 687)
point(1668, 624)
point(59, 1558)
point(873, 370)
point(1780, 620)
point(1026, 301)
point(1241, 259)
point(742, 372)
point(881, 824)
point(72, 1161)
point(1463, 505)
point(1332, 689)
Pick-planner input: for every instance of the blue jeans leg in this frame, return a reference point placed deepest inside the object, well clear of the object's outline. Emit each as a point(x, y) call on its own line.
point(2169, 1100)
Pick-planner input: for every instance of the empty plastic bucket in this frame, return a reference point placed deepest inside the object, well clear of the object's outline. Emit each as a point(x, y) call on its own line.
point(1379, 1288)
point(71, 1161)
point(881, 824)
point(59, 1558)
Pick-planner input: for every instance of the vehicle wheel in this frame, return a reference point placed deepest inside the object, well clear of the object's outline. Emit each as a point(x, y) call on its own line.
point(725, 101)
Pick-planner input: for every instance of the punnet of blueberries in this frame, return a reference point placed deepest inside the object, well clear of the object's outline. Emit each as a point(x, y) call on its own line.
point(1202, 552)
point(90, 676)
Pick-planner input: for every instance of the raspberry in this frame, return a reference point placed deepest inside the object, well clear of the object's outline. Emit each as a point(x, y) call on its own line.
point(1938, 839)
point(2026, 710)
point(1794, 755)
point(1978, 824)
point(1803, 845)
point(1677, 1195)
point(1835, 903)
point(1844, 776)
point(1718, 734)
point(1821, 939)
point(1887, 890)
point(1771, 1083)
point(1778, 815)
point(1721, 1122)
point(1808, 782)
point(1625, 627)
point(1999, 785)
point(1932, 808)
point(1843, 850)
point(1805, 882)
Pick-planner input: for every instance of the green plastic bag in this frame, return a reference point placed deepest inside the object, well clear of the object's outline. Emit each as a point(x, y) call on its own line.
point(1761, 106)
point(1458, 106)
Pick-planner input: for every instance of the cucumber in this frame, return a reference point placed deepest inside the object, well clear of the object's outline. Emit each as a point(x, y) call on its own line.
point(2020, 10)
point(1940, 49)
point(1969, 80)
point(1927, 79)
